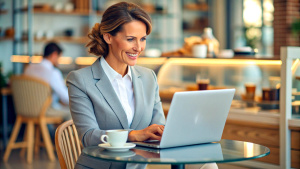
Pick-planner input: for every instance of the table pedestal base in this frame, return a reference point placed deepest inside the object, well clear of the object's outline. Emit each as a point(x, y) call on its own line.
point(177, 166)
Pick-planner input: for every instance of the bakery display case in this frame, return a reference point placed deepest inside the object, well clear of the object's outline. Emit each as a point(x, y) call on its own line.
point(265, 109)
point(180, 74)
point(227, 73)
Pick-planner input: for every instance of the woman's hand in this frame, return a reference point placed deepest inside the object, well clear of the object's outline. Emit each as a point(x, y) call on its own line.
point(153, 132)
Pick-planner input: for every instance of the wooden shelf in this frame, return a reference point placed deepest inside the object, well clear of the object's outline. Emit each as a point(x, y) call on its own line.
point(52, 12)
point(3, 12)
point(79, 40)
point(193, 31)
point(82, 13)
point(86, 13)
point(196, 7)
point(5, 38)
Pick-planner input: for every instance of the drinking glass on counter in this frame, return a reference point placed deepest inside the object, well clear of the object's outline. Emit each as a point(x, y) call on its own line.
point(270, 94)
point(250, 91)
point(202, 81)
point(266, 93)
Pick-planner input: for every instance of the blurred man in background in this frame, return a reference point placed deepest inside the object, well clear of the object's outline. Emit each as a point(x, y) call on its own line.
point(47, 70)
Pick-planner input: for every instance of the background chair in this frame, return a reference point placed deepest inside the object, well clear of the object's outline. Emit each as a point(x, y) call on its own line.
point(68, 146)
point(32, 99)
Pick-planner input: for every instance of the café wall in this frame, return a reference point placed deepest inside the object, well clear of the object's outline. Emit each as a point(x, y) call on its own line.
point(6, 45)
point(168, 27)
point(286, 11)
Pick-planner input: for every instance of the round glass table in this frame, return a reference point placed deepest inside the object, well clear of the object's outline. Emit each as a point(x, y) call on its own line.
point(219, 152)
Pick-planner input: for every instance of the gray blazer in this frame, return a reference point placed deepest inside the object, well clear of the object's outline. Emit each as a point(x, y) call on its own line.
point(95, 106)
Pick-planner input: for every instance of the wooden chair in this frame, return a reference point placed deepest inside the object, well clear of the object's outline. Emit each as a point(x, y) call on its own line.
point(32, 99)
point(68, 146)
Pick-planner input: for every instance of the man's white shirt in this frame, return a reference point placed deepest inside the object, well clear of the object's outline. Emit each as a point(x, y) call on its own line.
point(50, 74)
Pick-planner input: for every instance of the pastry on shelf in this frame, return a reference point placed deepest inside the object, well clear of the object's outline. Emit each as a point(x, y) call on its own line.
point(186, 50)
point(42, 7)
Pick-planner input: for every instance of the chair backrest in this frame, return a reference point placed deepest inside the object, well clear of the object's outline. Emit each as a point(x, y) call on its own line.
point(32, 96)
point(67, 145)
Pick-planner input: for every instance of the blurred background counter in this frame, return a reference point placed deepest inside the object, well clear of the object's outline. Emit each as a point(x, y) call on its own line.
point(256, 120)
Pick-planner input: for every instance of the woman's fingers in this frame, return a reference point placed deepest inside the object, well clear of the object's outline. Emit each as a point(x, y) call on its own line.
point(158, 129)
point(153, 132)
point(154, 137)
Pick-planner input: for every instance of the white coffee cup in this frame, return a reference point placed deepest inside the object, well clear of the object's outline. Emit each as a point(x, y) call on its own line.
point(116, 138)
point(200, 50)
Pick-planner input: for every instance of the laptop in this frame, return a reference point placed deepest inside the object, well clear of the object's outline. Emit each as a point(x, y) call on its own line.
point(194, 117)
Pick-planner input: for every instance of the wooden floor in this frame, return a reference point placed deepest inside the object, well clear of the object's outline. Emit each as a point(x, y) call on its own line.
point(42, 162)
point(39, 162)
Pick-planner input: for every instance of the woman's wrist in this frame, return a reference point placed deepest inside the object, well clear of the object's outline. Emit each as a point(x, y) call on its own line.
point(136, 135)
point(131, 136)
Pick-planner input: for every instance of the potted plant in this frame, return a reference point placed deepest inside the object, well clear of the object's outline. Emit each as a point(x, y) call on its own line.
point(296, 28)
point(2, 77)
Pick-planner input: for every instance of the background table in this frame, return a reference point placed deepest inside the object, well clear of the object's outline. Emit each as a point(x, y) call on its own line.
point(220, 152)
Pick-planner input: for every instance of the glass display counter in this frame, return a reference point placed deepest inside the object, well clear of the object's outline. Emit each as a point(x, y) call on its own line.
point(222, 73)
point(179, 74)
point(272, 121)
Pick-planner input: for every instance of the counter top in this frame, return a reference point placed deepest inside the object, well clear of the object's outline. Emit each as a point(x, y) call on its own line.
point(256, 57)
point(295, 121)
point(266, 117)
point(252, 114)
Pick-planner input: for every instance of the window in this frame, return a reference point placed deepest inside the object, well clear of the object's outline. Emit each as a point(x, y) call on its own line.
point(258, 25)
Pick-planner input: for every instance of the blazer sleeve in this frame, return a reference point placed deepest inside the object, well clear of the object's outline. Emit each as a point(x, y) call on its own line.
point(158, 113)
point(82, 111)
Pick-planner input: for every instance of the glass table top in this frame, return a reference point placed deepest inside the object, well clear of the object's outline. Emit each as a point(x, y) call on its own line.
point(220, 152)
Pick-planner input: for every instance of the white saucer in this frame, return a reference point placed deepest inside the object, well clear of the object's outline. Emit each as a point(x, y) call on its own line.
point(126, 147)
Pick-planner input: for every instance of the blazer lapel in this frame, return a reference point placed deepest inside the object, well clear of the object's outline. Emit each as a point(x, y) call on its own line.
point(139, 98)
point(106, 89)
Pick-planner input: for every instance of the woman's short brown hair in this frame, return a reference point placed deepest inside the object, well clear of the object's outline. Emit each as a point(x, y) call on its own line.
point(112, 21)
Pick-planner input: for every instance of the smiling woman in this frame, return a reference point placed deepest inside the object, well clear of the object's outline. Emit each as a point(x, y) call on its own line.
point(114, 93)
point(121, 35)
